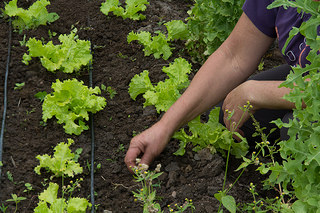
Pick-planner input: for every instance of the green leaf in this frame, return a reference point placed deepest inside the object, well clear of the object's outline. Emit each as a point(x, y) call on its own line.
point(77, 205)
point(177, 30)
point(229, 203)
point(50, 194)
point(140, 84)
point(42, 207)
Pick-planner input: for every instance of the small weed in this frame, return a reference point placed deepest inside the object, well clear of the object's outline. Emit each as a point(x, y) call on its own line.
point(17, 200)
point(19, 86)
point(121, 148)
point(28, 187)
point(23, 42)
point(112, 92)
point(51, 34)
point(3, 208)
point(10, 177)
point(41, 95)
point(30, 111)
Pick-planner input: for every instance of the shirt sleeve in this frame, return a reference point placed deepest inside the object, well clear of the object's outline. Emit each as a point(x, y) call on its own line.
point(263, 18)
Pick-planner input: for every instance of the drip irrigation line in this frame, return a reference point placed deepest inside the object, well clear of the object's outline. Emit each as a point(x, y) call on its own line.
point(92, 147)
point(5, 95)
point(92, 135)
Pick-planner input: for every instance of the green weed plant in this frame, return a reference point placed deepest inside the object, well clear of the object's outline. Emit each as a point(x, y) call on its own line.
point(147, 196)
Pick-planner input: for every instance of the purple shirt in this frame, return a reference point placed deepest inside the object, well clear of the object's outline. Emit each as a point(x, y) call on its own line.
point(278, 22)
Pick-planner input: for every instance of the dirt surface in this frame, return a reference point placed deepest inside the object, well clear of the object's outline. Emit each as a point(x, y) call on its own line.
point(196, 176)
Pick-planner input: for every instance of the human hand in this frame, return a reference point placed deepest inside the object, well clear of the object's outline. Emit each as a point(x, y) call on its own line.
point(235, 102)
point(150, 143)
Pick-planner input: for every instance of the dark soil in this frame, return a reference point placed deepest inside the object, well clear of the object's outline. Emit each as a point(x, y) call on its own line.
point(196, 176)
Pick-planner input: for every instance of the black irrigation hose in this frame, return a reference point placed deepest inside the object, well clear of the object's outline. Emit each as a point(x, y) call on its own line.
point(92, 147)
point(5, 95)
point(92, 137)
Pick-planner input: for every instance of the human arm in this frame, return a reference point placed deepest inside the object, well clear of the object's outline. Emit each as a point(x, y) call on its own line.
point(225, 69)
point(260, 94)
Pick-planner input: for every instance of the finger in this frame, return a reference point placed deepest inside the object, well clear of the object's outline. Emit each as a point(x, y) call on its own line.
point(131, 156)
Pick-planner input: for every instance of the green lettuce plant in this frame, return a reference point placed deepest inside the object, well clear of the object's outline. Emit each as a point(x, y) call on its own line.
point(70, 103)
point(63, 163)
point(31, 18)
point(131, 10)
point(49, 202)
point(160, 44)
point(69, 56)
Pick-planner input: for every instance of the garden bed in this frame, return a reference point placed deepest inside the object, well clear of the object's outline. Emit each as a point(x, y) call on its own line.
point(196, 176)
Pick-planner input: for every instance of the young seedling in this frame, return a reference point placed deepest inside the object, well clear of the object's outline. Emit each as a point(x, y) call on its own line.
point(19, 86)
point(17, 200)
point(28, 187)
point(3, 208)
point(41, 95)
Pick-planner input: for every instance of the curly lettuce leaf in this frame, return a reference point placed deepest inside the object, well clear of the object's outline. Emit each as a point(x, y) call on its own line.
point(177, 30)
point(31, 18)
point(165, 93)
point(70, 103)
point(131, 10)
point(62, 163)
point(157, 45)
point(68, 57)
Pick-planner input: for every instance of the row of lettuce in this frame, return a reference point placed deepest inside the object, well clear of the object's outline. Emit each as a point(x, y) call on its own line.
point(208, 25)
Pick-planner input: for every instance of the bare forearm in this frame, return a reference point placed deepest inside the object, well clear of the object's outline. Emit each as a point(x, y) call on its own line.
point(268, 95)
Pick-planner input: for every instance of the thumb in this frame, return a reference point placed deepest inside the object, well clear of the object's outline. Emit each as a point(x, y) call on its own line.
point(147, 158)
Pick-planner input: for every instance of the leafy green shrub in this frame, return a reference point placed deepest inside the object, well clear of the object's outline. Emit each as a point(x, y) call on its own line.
point(31, 18)
point(70, 103)
point(68, 57)
point(300, 153)
point(210, 22)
